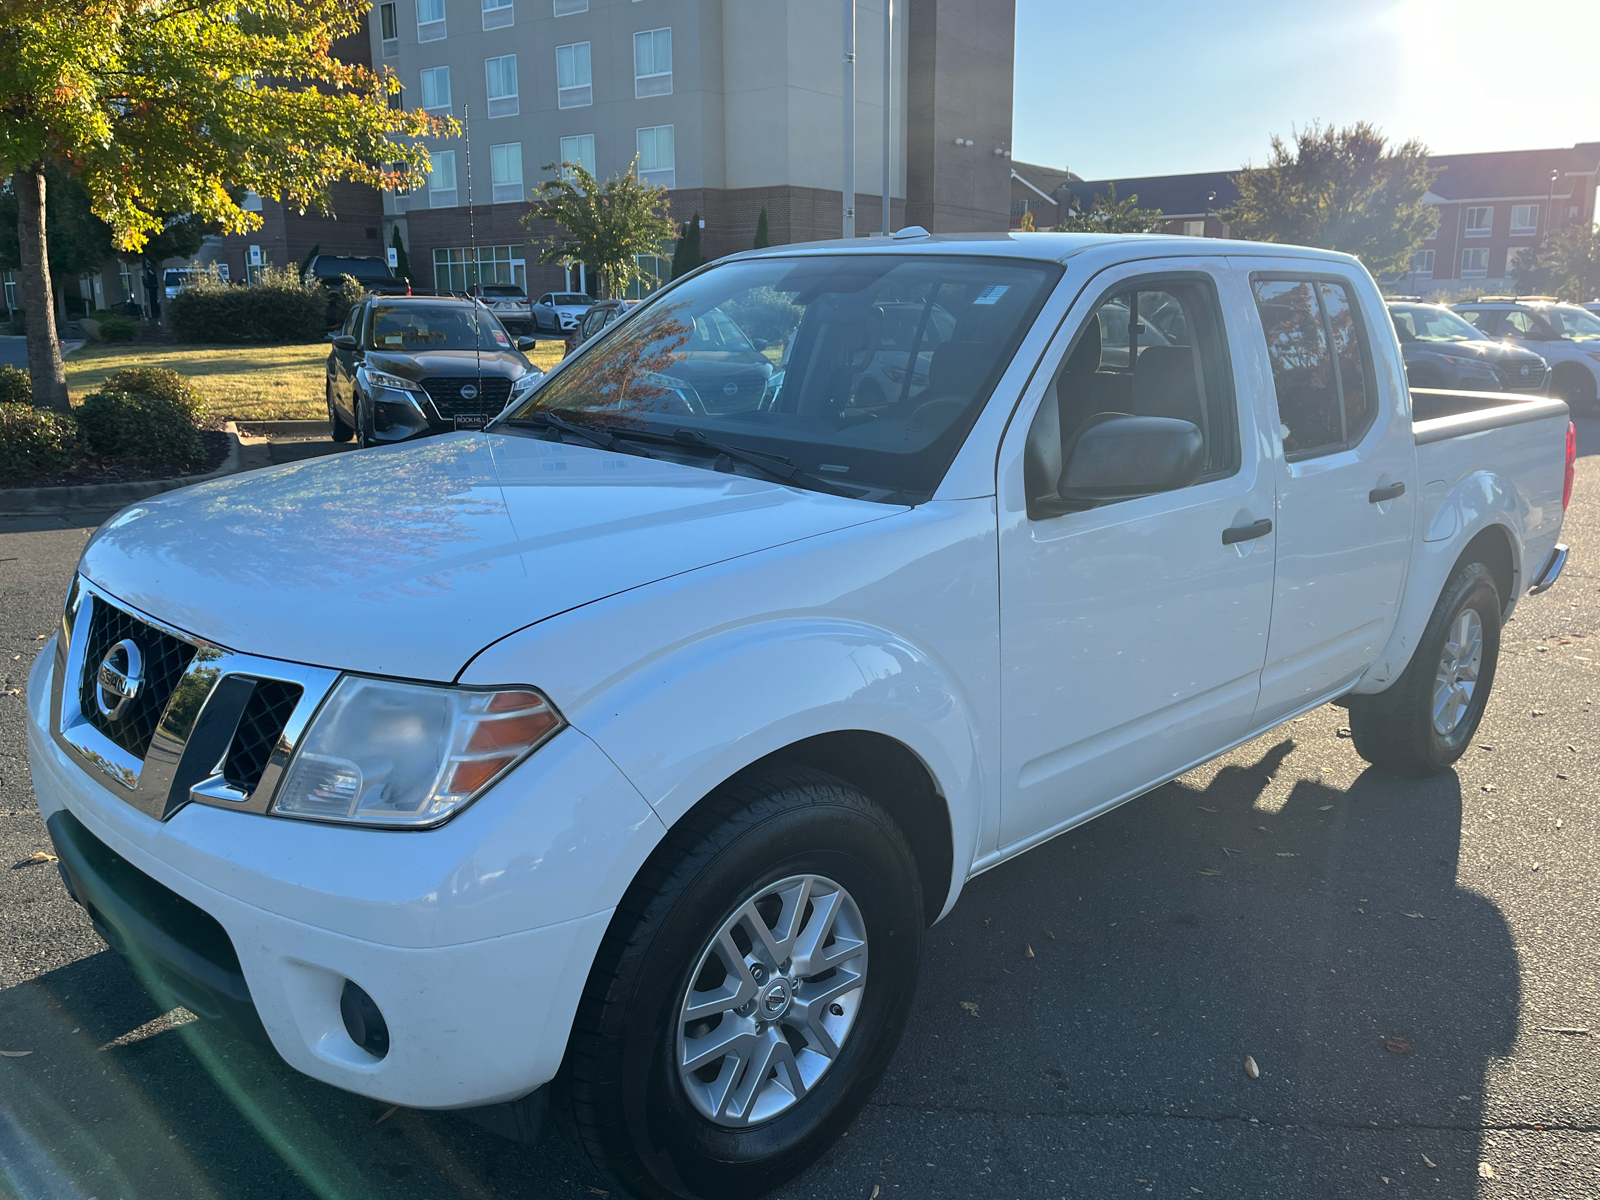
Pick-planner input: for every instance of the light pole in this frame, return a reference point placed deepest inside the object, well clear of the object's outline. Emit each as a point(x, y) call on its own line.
point(888, 97)
point(849, 118)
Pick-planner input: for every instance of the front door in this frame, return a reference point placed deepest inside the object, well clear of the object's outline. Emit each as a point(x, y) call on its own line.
point(1132, 633)
point(1346, 485)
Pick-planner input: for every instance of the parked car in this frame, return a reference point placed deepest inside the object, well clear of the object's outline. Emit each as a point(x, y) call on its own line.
point(404, 367)
point(1566, 336)
point(175, 279)
point(602, 314)
point(560, 312)
point(1442, 350)
point(507, 301)
point(373, 274)
point(641, 739)
point(1592, 305)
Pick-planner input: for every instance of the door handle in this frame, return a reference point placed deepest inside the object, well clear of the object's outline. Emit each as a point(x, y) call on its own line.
point(1379, 495)
point(1246, 533)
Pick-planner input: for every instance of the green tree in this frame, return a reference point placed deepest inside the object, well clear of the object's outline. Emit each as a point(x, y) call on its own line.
point(163, 106)
point(79, 241)
point(402, 263)
point(1565, 264)
point(1109, 215)
point(686, 254)
point(763, 238)
point(608, 226)
point(1342, 189)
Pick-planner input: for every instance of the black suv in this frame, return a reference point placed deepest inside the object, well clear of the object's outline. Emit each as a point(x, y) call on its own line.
point(371, 273)
point(1443, 351)
point(407, 366)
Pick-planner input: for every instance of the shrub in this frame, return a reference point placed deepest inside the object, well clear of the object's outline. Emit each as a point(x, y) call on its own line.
point(158, 381)
point(139, 425)
point(279, 307)
point(114, 327)
point(34, 439)
point(15, 386)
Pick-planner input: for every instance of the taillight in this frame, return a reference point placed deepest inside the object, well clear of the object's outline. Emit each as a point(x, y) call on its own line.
point(1572, 465)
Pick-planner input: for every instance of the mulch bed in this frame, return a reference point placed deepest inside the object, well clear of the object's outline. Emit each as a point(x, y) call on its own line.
point(98, 469)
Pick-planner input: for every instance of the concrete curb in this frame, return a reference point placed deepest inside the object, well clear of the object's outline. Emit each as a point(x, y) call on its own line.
point(297, 429)
point(27, 502)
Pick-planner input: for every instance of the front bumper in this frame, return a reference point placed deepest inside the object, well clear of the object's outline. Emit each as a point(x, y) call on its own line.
point(474, 940)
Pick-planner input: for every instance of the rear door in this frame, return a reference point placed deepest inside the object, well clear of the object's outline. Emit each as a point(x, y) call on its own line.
point(1346, 480)
point(1133, 633)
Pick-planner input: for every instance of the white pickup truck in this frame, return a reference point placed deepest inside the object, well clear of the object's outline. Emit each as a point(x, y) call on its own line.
point(616, 758)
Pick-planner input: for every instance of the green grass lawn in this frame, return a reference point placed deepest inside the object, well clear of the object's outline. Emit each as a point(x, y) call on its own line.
point(244, 383)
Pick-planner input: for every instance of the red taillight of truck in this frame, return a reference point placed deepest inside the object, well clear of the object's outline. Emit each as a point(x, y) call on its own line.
point(1572, 465)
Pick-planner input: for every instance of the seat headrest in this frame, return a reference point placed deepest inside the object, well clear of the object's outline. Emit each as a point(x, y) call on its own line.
point(956, 369)
point(1165, 385)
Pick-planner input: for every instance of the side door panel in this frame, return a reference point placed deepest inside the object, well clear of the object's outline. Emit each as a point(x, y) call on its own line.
point(1132, 637)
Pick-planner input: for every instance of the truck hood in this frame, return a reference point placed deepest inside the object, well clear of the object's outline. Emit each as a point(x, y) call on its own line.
point(407, 560)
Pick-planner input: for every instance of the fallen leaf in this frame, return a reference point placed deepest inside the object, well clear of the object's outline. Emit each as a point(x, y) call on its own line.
point(1429, 1162)
point(1344, 733)
point(1485, 1171)
point(15, 1053)
point(1029, 950)
point(1535, 866)
point(1325, 808)
point(1113, 925)
point(1538, 712)
point(1569, 1030)
point(970, 1008)
point(1417, 916)
point(594, 1191)
point(42, 637)
point(1050, 935)
point(1250, 1067)
point(38, 856)
point(1397, 1045)
point(1136, 1179)
point(988, 923)
point(1385, 1178)
point(1210, 871)
point(1230, 851)
point(874, 1195)
point(1203, 808)
point(1287, 854)
point(393, 1108)
point(1488, 787)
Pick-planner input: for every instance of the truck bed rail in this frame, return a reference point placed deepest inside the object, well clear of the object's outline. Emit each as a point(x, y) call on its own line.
point(1437, 414)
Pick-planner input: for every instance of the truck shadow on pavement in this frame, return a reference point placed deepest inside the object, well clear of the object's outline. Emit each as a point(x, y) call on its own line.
point(1080, 1029)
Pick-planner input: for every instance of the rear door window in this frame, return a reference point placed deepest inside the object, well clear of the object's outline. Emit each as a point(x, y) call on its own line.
point(1321, 366)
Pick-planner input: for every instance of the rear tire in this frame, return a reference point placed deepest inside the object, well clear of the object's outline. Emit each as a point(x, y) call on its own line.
point(655, 1128)
point(1426, 720)
point(1577, 387)
point(337, 429)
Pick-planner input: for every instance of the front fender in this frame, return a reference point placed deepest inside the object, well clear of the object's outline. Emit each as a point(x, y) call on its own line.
point(690, 720)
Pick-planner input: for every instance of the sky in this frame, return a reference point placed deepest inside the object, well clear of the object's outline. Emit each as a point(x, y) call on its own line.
point(1115, 91)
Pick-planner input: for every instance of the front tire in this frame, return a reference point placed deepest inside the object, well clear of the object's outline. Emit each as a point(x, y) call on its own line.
point(1576, 386)
point(789, 885)
point(1426, 720)
point(337, 429)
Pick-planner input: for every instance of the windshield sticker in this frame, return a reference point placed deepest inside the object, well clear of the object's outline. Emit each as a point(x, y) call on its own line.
point(502, 340)
point(992, 293)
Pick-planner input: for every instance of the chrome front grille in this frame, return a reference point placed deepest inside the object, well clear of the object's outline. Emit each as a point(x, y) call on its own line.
point(493, 391)
point(202, 723)
point(1520, 377)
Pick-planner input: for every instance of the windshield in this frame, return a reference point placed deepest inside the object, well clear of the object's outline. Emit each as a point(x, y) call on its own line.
point(571, 298)
point(1570, 321)
point(866, 371)
point(356, 268)
point(502, 290)
point(1425, 323)
point(406, 327)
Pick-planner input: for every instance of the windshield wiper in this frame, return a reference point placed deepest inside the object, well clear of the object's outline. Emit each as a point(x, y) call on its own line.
point(759, 459)
point(596, 437)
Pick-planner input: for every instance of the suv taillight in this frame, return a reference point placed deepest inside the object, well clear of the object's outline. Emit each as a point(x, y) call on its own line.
point(1572, 465)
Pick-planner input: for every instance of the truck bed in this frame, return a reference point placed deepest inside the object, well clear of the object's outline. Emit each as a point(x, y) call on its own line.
point(1437, 414)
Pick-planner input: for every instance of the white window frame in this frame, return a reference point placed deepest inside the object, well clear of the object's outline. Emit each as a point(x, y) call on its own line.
point(434, 73)
point(497, 14)
point(569, 8)
point(1194, 228)
point(441, 197)
point(456, 268)
point(655, 82)
point(1473, 254)
point(1484, 230)
point(506, 189)
point(1527, 226)
point(665, 176)
point(1419, 271)
point(584, 161)
point(505, 104)
point(389, 14)
point(569, 59)
point(433, 29)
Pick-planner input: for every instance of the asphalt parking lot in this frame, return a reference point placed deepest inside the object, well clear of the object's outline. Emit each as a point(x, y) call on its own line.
point(1083, 1014)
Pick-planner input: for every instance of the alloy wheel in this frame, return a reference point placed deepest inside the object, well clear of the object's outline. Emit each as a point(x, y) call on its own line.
point(1456, 678)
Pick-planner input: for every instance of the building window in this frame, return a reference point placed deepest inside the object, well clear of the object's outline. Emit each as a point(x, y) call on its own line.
point(1194, 228)
point(502, 73)
point(652, 63)
point(442, 179)
point(657, 156)
point(1480, 221)
point(1513, 257)
point(655, 270)
point(573, 79)
point(397, 98)
point(402, 192)
point(11, 289)
point(1524, 218)
point(566, 8)
point(457, 268)
point(436, 89)
point(430, 20)
point(389, 27)
point(128, 282)
point(497, 14)
point(1422, 264)
point(578, 149)
point(251, 202)
point(505, 165)
point(1475, 263)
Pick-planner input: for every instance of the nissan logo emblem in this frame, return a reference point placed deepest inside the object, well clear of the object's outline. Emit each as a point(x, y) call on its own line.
point(118, 680)
point(469, 392)
point(730, 389)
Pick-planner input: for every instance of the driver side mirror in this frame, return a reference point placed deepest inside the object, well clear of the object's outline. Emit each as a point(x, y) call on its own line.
point(344, 341)
point(1118, 457)
point(527, 343)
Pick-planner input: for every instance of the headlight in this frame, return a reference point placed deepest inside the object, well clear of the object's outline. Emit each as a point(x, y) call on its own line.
point(373, 378)
point(404, 754)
